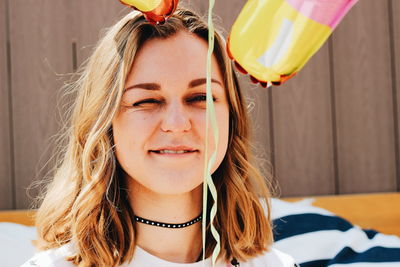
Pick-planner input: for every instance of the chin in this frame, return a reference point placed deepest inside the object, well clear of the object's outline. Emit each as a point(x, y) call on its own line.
point(178, 188)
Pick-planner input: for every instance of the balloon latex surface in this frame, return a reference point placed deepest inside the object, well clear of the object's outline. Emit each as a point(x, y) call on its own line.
point(273, 39)
point(156, 11)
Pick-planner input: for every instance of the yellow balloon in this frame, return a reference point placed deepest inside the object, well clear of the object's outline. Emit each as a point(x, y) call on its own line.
point(142, 5)
point(273, 39)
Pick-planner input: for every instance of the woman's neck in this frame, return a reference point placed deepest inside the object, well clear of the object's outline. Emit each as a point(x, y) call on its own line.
point(181, 245)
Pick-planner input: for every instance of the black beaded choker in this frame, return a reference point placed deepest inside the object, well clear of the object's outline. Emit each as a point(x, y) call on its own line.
point(167, 225)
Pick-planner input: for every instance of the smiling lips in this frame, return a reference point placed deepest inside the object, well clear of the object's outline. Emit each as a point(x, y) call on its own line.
point(174, 150)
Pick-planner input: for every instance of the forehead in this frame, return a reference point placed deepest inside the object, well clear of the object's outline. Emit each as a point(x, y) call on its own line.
point(181, 56)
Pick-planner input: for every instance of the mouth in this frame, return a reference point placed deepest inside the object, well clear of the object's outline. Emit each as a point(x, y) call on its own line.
point(173, 152)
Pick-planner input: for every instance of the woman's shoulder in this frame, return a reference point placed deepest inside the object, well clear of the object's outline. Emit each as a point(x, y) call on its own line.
point(272, 258)
point(51, 258)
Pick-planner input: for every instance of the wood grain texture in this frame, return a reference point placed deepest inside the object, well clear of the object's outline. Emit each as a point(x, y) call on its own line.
point(25, 217)
point(40, 36)
point(364, 106)
point(257, 100)
point(199, 6)
point(370, 211)
point(92, 17)
point(6, 185)
point(302, 125)
point(227, 12)
point(395, 17)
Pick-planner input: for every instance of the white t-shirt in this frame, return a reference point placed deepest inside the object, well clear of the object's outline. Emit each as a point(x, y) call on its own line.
point(56, 258)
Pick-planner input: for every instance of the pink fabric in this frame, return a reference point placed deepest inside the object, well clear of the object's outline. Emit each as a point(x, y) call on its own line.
point(327, 12)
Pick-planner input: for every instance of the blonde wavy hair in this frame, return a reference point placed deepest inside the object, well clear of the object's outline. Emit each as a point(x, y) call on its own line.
point(86, 202)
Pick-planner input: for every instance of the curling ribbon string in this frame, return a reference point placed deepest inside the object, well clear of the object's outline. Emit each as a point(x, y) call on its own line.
point(210, 116)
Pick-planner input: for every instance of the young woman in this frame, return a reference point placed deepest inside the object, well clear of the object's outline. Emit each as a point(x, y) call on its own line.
point(128, 191)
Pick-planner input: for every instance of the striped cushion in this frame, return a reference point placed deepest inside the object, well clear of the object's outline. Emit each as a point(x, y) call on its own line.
point(317, 238)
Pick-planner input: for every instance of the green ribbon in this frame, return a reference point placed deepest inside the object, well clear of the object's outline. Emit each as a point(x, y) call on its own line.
point(210, 116)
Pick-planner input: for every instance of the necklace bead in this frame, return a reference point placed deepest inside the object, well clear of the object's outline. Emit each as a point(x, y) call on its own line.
point(167, 225)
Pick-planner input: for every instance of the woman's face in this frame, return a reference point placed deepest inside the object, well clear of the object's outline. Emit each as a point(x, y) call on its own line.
point(163, 113)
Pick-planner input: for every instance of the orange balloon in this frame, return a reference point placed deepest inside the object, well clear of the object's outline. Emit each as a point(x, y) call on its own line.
point(158, 13)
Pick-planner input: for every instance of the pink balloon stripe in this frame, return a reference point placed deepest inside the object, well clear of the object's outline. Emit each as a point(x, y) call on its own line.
point(327, 12)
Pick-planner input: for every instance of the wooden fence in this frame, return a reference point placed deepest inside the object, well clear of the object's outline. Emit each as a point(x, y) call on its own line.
point(333, 129)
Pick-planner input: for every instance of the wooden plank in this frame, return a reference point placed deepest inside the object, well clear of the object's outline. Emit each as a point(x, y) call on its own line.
point(40, 35)
point(370, 211)
point(92, 17)
point(395, 26)
point(25, 217)
point(199, 6)
point(302, 125)
point(6, 186)
point(257, 102)
point(363, 96)
point(226, 12)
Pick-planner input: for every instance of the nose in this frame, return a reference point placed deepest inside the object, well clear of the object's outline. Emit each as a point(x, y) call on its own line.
point(176, 118)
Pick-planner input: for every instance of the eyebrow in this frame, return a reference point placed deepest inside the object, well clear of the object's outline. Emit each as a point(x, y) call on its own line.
point(156, 86)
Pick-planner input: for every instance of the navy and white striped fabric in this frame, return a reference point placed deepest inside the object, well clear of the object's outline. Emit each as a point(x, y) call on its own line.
point(315, 237)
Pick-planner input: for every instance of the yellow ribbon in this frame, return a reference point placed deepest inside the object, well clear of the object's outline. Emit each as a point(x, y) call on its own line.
point(210, 115)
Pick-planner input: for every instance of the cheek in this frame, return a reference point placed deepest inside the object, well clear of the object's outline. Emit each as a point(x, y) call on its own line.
point(130, 132)
point(198, 120)
point(223, 124)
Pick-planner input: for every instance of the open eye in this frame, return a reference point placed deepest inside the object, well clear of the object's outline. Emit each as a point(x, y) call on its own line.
point(199, 98)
